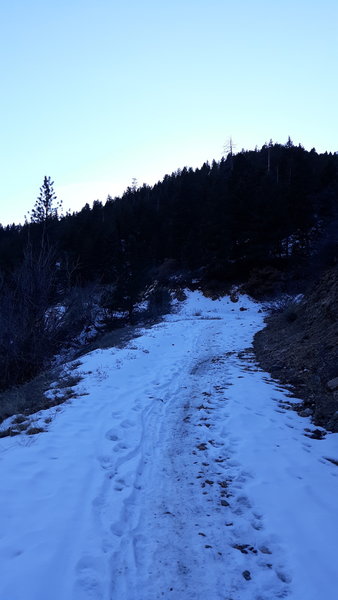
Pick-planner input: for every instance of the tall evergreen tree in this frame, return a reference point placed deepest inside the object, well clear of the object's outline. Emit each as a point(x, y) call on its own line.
point(46, 206)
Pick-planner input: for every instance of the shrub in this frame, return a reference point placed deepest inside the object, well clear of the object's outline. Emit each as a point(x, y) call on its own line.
point(159, 301)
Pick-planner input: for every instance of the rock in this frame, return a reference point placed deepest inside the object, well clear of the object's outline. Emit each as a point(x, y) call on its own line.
point(314, 379)
point(295, 380)
point(307, 412)
point(246, 575)
point(333, 423)
point(333, 384)
point(265, 550)
point(224, 503)
point(276, 367)
point(316, 434)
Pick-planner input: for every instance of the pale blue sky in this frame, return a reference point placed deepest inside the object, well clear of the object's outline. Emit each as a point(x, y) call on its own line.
point(95, 93)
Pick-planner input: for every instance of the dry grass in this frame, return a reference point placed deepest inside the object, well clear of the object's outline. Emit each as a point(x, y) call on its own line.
point(74, 365)
point(29, 398)
point(117, 338)
point(69, 381)
point(9, 432)
point(19, 420)
point(35, 430)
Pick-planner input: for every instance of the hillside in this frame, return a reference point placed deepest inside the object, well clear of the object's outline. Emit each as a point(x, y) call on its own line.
point(272, 210)
point(299, 346)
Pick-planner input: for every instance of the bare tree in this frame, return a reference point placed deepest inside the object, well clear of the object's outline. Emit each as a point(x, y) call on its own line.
point(228, 149)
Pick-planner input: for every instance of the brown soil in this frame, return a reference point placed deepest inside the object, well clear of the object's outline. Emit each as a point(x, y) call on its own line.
point(299, 346)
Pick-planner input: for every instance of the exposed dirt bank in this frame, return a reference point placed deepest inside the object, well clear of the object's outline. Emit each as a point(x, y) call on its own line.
point(299, 346)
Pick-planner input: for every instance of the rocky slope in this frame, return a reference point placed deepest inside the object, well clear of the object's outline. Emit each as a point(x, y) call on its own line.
point(299, 346)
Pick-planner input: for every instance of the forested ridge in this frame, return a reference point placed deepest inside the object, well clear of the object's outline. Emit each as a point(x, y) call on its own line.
point(253, 208)
point(275, 208)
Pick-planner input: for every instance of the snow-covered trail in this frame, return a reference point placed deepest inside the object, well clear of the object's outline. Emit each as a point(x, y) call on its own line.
point(179, 472)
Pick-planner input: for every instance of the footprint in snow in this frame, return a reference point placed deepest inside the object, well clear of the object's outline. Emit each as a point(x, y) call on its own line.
point(120, 446)
point(112, 435)
point(90, 575)
point(105, 461)
point(126, 424)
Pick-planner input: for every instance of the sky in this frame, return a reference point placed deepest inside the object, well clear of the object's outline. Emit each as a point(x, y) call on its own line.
point(98, 92)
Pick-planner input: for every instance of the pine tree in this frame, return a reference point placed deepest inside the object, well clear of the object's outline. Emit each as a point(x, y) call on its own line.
point(46, 206)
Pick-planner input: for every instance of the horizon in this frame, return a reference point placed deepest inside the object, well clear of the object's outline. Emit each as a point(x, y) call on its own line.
point(97, 94)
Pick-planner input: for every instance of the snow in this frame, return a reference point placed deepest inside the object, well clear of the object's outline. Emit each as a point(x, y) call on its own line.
point(178, 472)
